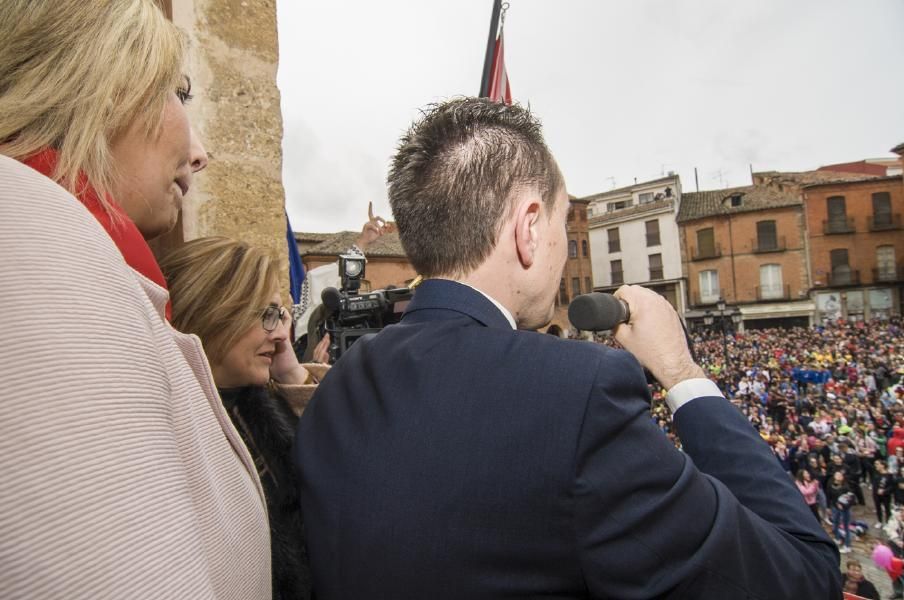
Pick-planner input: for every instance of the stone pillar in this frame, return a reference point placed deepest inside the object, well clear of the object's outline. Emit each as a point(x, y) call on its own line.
point(232, 62)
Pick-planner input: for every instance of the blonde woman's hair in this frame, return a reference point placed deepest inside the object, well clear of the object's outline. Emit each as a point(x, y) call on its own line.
point(218, 289)
point(76, 73)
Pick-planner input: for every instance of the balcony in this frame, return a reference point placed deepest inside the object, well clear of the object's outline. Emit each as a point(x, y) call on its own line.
point(655, 273)
point(618, 277)
point(884, 222)
point(706, 253)
point(890, 273)
point(773, 292)
point(706, 299)
point(776, 245)
point(614, 246)
point(838, 225)
point(844, 277)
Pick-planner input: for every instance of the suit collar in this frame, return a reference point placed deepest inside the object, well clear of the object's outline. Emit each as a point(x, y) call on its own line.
point(444, 294)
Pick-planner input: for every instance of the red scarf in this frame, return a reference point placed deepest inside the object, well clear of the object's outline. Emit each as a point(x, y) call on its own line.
point(121, 229)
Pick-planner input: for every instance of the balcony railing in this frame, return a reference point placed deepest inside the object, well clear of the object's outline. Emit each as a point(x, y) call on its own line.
point(776, 245)
point(888, 274)
point(655, 273)
point(618, 277)
point(838, 225)
point(614, 246)
point(844, 277)
point(706, 253)
point(706, 299)
point(773, 292)
point(884, 222)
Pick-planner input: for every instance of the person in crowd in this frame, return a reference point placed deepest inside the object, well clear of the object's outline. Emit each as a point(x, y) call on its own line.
point(123, 475)
point(883, 486)
point(439, 459)
point(894, 533)
point(896, 459)
point(855, 583)
point(840, 499)
point(809, 488)
point(853, 471)
point(227, 293)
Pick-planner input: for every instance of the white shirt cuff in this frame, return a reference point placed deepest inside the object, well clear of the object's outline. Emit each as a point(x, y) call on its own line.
point(687, 390)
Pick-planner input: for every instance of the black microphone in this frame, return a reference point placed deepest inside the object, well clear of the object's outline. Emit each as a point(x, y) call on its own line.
point(332, 299)
point(597, 311)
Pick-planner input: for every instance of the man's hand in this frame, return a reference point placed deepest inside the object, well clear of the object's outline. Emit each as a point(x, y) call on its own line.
point(374, 228)
point(321, 352)
point(655, 337)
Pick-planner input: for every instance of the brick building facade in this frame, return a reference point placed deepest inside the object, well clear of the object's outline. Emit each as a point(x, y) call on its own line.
point(856, 246)
point(746, 246)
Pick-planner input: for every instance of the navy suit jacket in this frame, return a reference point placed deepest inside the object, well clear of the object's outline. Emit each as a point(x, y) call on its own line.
point(452, 457)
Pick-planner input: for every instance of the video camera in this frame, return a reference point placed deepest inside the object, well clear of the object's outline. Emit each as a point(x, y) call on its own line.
point(352, 315)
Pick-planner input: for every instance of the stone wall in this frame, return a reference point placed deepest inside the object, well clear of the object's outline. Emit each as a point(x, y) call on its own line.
point(233, 58)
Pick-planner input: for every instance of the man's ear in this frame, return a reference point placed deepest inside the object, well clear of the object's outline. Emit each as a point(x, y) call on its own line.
point(527, 240)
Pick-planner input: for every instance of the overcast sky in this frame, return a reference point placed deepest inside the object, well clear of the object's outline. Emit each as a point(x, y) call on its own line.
point(625, 88)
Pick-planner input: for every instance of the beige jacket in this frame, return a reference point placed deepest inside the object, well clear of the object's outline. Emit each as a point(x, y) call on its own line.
point(122, 474)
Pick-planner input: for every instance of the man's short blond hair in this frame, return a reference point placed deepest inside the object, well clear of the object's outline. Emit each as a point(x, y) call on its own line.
point(76, 73)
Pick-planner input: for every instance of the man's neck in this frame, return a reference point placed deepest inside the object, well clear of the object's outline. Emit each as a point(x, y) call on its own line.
point(494, 286)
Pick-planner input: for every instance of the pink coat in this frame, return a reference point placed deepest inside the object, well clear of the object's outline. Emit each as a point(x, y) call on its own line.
point(122, 474)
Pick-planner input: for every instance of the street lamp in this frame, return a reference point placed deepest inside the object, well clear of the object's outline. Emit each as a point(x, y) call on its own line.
point(709, 319)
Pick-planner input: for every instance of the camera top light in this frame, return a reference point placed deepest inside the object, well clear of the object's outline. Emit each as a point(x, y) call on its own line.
point(353, 267)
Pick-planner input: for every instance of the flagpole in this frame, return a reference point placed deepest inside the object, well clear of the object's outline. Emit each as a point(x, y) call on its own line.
point(491, 44)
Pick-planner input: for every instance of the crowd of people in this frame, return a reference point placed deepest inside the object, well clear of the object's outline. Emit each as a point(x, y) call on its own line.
point(829, 400)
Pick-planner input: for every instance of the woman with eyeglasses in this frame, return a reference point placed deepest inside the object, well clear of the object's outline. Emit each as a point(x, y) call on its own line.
point(227, 293)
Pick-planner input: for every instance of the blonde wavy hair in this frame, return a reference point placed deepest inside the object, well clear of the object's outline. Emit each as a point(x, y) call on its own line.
point(218, 289)
point(76, 73)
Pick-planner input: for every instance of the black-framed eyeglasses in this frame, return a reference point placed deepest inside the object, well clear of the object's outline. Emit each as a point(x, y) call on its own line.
point(272, 316)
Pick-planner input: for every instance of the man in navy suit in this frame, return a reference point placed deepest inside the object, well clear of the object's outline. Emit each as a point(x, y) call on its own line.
point(459, 454)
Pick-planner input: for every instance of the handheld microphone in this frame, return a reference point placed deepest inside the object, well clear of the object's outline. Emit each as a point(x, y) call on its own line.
point(598, 312)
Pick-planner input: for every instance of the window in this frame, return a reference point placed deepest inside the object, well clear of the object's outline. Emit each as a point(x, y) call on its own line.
point(655, 266)
point(563, 293)
point(618, 277)
point(885, 263)
point(881, 210)
point(572, 249)
point(706, 247)
point(614, 241)
point(709, 286)
point(736, 200)
point(612, 206)
point(836, 208)
point(575, 286)
point(771, 286)
point(588, 285)
point(584, 250)
point(765, 236)
point(841, 270)
point(589, 211)
point(652, 232)
point(645, 197)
